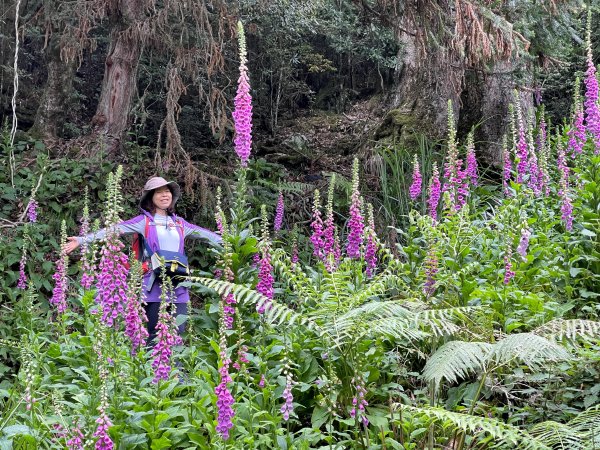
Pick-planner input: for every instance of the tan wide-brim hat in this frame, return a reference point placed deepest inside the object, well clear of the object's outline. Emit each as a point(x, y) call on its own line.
point(158, 182)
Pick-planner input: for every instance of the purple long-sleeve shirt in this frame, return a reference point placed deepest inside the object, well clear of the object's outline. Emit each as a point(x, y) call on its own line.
point(172, 237)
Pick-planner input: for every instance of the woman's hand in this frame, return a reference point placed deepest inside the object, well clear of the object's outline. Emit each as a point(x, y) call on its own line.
point(71, 244)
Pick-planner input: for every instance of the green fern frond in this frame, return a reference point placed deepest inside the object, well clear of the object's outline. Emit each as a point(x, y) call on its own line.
point(441, 322)
point(570, 330)
point(500, 432)
point(581, 433)
point(456, 360)
point(529, 349)
point(557, 436)
point(295, 278)
point(276, 314)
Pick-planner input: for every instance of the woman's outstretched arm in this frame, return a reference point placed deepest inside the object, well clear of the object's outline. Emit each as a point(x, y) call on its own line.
point(131, 226)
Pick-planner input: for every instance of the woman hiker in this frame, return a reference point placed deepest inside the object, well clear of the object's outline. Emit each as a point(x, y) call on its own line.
point(163, 230)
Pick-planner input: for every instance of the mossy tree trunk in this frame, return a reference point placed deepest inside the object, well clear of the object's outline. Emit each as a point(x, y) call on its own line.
point(111, 120)
point(51, 112)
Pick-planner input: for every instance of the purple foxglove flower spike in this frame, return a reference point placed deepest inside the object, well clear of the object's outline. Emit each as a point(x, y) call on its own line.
point(242, 114)
point(592, 113)
point(278, 213)
point(356, 223)
point(435, 191)
point(417, 180)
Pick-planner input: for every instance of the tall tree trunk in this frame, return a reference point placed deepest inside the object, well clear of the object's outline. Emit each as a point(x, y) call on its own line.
point(51, 112)
point(112, 115)
point(426, 78)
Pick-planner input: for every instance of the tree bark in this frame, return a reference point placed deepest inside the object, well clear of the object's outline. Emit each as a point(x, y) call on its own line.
point(426, 78)
point(111, 120)
point(51, 112)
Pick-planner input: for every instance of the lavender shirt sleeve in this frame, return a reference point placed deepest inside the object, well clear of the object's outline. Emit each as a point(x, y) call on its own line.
point(135, 225)
point(196, 232)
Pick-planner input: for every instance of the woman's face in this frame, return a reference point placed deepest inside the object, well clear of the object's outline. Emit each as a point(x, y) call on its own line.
point(162, 198)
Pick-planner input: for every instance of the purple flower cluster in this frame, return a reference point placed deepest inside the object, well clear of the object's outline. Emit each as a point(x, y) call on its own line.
point(371, 250)
point(508, 272)
point(435, 191)
point(32, 210)
point(288, 406)
point(225, 400)
point(417, 180)
point(228, 310)
point(461, 183)
point(104, 441)
point(265, 279)
point(534, 183)
point(576, 134)
point(522, 153)
point(507, 169)
point(524, 241)
point(592, 113)
point(358, 401)
point(22, 283)
point(278, 213)
point(563, 192)
point(59, 293)
point(166, 338)
point(75, 441)
point(242, 114)
point(135, 317)
point(472, 165)
point(356, 224)
point(431, 269)
point(317, 237)
point(262, 381)
point(112, 280)
point(242, 355)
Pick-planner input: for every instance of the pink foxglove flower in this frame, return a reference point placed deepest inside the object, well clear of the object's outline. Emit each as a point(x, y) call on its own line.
point(417, 180)
point(225, 400)
point(242, 114)
point(112, 280)
point(265, 280)
point(261, 383)
point(576, 133)
point(59, 293)
point(435, 191)
point(522, 151)
point(524, 242)
point(356, 223)
point(228, 310)
point(358, 401)
point(104, 441)
point(76, 438)
point(135, 316)
point(507, 168)
point(166, 339)
point(278, 213)
point(592, 113)
point(371, 250)
point(508, 272)
point(461, 183)
point(317, 236)
point(329, 231)
point(471, 161)
point(22, 283)
point(32, 210)
point(288, 406)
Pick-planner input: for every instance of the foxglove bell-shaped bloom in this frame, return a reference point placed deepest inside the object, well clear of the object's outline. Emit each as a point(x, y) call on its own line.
point(435, 191)
point(592, 113)
point(288, 406)
point(278, 213)
point(242, 114)
point(356, 224)
point(417, 180)
point(112, 280)
point(166, 339)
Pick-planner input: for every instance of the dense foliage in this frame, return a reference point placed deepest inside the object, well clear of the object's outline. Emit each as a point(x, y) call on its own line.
point(479, 329)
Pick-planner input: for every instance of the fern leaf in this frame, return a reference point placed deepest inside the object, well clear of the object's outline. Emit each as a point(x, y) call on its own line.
point(529, 349)
point(277, 313)
point(456, 360)
point(557, 436)
point(500, 432)
point(571, 330)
